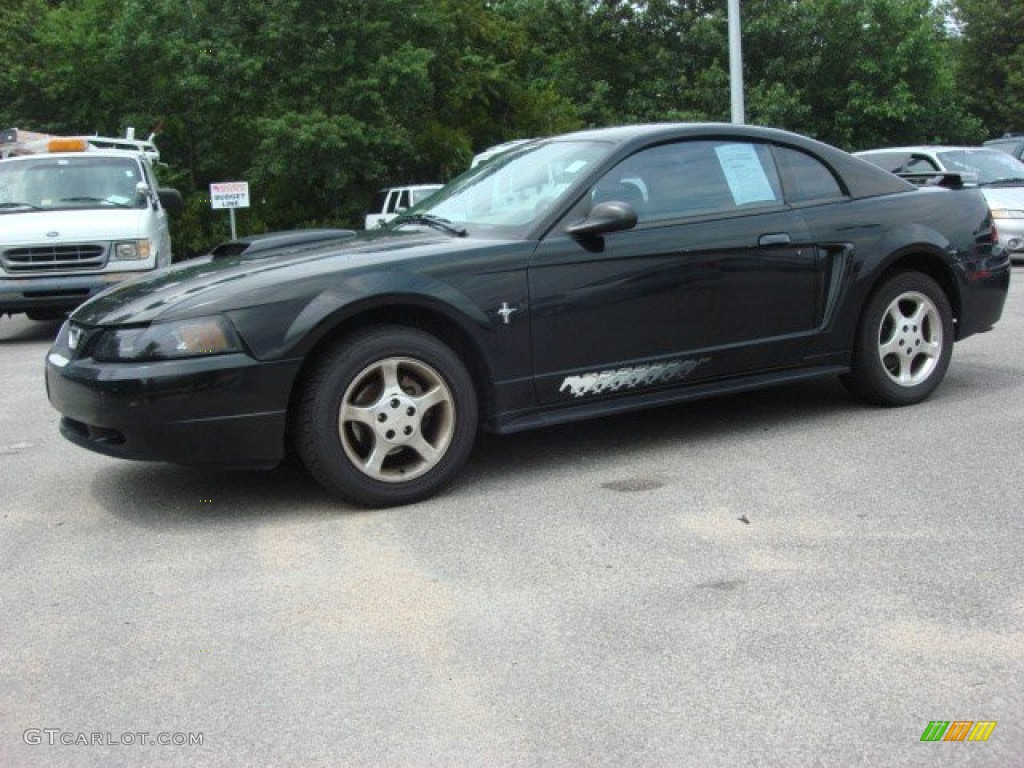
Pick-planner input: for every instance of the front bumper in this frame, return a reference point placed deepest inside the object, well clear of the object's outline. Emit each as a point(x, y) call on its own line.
point(29, 294)
point(228, 410)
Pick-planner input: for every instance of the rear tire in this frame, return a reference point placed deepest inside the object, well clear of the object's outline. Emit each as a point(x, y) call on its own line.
point(386, 417)
point(904, 342)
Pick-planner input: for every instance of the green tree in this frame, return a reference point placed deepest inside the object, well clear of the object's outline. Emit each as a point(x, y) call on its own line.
point(856, 73)
point(317, 105)
point(992, 62)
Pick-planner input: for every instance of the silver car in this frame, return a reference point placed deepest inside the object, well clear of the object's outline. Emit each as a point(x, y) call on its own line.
point(1011, 143)
point(999, 175)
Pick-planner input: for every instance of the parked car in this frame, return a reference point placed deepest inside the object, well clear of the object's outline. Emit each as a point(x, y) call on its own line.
point(587, 274)
point(1000, 177)
point(390, 202)
point(1011, 143)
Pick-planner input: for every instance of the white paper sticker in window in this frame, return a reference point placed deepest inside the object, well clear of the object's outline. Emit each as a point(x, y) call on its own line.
point(745, 174)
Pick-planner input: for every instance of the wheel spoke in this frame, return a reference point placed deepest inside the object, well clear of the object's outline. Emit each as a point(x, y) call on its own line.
point(906, 375)
point(428, 400)
point(891, 347)
point(931, 349)
point(895, 315)
point(921, 314)
point(389, 372)
point(426, 451)
point(355, 413)
point(375, 461)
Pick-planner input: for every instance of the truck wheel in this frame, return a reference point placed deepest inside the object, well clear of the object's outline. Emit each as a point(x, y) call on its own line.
point(386, 417)
point(904, 342)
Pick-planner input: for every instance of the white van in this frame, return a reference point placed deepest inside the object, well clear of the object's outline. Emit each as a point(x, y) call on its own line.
point(77, 214)
point(390, 202)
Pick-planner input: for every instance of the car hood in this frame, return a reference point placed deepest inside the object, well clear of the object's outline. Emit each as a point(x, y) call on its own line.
point(31, 227)
point(212, 284)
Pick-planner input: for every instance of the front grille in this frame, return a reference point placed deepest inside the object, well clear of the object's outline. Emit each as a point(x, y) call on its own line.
point(54, 258)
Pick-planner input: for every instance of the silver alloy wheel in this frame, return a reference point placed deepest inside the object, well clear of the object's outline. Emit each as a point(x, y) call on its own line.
point(396, 419)
point(910, 339)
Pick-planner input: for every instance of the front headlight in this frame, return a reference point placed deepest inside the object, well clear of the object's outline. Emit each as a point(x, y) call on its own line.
point(131, 250)
point(1007, 213)
point(196, 337)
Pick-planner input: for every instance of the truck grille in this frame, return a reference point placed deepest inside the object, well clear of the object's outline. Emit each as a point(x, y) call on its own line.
point(54, 258)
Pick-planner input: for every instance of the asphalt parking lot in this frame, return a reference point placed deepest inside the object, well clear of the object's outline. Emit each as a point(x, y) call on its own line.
point(786, 578)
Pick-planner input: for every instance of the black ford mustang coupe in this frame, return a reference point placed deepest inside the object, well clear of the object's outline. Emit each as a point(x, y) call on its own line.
point(571, 277)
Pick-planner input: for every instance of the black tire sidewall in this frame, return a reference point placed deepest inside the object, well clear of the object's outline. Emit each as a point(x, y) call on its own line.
point(317, 439)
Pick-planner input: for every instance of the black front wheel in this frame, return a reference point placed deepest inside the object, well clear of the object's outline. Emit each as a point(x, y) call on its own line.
point(904, 342)
point(386, 417)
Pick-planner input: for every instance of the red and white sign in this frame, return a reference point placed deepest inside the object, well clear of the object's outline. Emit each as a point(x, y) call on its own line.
point(229, 194)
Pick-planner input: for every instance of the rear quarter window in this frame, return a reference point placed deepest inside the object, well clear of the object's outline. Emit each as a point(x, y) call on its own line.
point(805, 178)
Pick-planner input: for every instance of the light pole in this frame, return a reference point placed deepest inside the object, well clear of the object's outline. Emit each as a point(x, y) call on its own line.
point(735, 63)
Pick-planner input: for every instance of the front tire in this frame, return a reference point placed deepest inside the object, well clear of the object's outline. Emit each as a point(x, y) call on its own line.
point(386, 417)
point(904, 342)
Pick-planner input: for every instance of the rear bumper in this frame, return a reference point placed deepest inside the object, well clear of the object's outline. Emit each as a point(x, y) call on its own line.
point(984, 286)
point(227, 411)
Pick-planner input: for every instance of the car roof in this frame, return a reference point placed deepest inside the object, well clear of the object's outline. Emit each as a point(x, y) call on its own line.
point(861, 177)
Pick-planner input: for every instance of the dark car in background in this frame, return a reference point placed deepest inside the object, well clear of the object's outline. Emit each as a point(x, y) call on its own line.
point(576, 276)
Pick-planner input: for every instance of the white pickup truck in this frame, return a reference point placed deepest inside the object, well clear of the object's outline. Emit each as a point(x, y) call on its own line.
point(77, 214)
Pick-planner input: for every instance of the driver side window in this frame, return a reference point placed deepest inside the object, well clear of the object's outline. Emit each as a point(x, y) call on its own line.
point(692, 178)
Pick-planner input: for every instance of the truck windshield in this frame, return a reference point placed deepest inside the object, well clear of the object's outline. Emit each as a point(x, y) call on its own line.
point(63, 183)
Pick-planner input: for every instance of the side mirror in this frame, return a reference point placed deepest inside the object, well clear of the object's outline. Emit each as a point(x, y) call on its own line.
point(170, 199)
point(610, 216)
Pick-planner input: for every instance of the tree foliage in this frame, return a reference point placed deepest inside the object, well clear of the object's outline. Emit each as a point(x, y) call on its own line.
point(319, 104)
point(992, 62)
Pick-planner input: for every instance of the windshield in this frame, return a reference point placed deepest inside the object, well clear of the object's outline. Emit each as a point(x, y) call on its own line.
point(991, 165)
point(509, 194)
point(63, 183)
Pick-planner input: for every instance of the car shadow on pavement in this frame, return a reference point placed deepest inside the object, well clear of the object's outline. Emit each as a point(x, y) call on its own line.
point(703, 423)
point(700, 422)
point(168, 496)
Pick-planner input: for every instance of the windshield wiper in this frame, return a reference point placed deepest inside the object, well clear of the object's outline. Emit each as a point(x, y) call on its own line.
point(437, 222)
point(86, 199)
point(13, 204)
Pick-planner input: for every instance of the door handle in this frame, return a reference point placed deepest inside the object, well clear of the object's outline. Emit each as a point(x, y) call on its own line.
point(775, 238)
